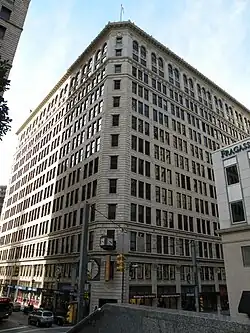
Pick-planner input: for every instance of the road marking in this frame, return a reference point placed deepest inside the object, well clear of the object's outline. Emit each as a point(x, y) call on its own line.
point(14, 328)
point(39, 329)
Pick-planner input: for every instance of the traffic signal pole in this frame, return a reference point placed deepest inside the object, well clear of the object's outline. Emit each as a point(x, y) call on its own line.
point(123, 271)
point(195, 271)
point(83, 265)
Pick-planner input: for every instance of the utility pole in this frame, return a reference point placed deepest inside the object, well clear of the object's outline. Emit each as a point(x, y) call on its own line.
point(83, 265)
point(196, 280)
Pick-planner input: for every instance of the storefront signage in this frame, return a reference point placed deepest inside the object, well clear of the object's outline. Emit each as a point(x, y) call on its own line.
point(235, 150)
point(143, 296)
point(169, 295)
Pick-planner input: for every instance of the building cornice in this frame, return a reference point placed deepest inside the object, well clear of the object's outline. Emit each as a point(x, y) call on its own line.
point(238, 228)
point(143, 34)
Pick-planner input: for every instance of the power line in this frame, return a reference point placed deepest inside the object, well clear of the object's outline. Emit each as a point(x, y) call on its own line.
point(112, 221)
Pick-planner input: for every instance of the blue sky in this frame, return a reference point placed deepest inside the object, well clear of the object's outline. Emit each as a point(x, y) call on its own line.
point(212, 35)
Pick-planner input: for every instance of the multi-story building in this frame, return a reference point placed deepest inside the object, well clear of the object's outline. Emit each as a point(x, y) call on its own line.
point(2, 195)
point(232, 174)
point(12, 17)
point(129, 128)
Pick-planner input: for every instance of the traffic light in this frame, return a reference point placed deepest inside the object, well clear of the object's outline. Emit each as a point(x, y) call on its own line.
point(201, 304)
point(15, 270)
point(120, 262)
point(69, 316)
point(107, 268)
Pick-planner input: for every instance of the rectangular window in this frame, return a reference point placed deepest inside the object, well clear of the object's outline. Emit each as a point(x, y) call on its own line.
point(237, 211)
point(114, 140)
point(113, 162)
point(2, 32)
point(112, 185)
point(5, 13)
point(245, 250)
point(117, 84)
point(118, 69)
point(116, 101)
point(133, 241)
point(133, 212)
point(112, 211)
point(91, 240)
point(232, 174)
point(118, 52)
point(115, 119)
point(159, 244)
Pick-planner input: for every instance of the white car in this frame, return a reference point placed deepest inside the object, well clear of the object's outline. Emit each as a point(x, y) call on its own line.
point(41, 318)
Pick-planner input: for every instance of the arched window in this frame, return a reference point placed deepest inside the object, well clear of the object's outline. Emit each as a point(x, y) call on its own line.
point(185, 79)
point(191, 85)
point(160, 62)
point(176, 74)
point(215, 101)
point(135, 46)
point(204, 93)
point(199, 89)
point(170, 70)
point(84, 70)
point(209, 96)
point(143, 52)
point(104, 49)
point(61, 93)
point(153, 58)
point(98, 55)
point(72, 82)
point(90, 63)
point(56, 99)
point(220, 104)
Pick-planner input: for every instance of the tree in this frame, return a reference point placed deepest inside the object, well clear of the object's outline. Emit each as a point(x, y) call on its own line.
point(5, 120)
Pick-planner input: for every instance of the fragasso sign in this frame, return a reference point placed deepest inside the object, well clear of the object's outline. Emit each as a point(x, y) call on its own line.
point(235, 150)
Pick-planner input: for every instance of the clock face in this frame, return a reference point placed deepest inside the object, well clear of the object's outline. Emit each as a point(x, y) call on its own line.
point(110, 241)
point(102, 241)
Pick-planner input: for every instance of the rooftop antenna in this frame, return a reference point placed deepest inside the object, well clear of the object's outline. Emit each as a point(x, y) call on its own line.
point(121, 12)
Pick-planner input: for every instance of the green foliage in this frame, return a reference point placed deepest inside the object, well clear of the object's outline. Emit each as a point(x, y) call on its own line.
point(4, 110)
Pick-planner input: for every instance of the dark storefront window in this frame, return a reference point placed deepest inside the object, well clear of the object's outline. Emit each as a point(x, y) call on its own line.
point(141, 295)
point(167, 297)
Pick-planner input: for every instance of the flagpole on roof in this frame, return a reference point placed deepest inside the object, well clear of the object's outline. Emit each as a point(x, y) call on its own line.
point(121, 12)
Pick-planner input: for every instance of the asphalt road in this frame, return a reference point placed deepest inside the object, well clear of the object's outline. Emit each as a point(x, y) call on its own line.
point(18, 323)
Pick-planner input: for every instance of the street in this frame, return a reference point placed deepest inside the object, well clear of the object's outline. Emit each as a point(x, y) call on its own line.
point(18, 323)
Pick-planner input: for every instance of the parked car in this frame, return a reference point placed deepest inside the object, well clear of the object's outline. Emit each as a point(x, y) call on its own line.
point(41, 318)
